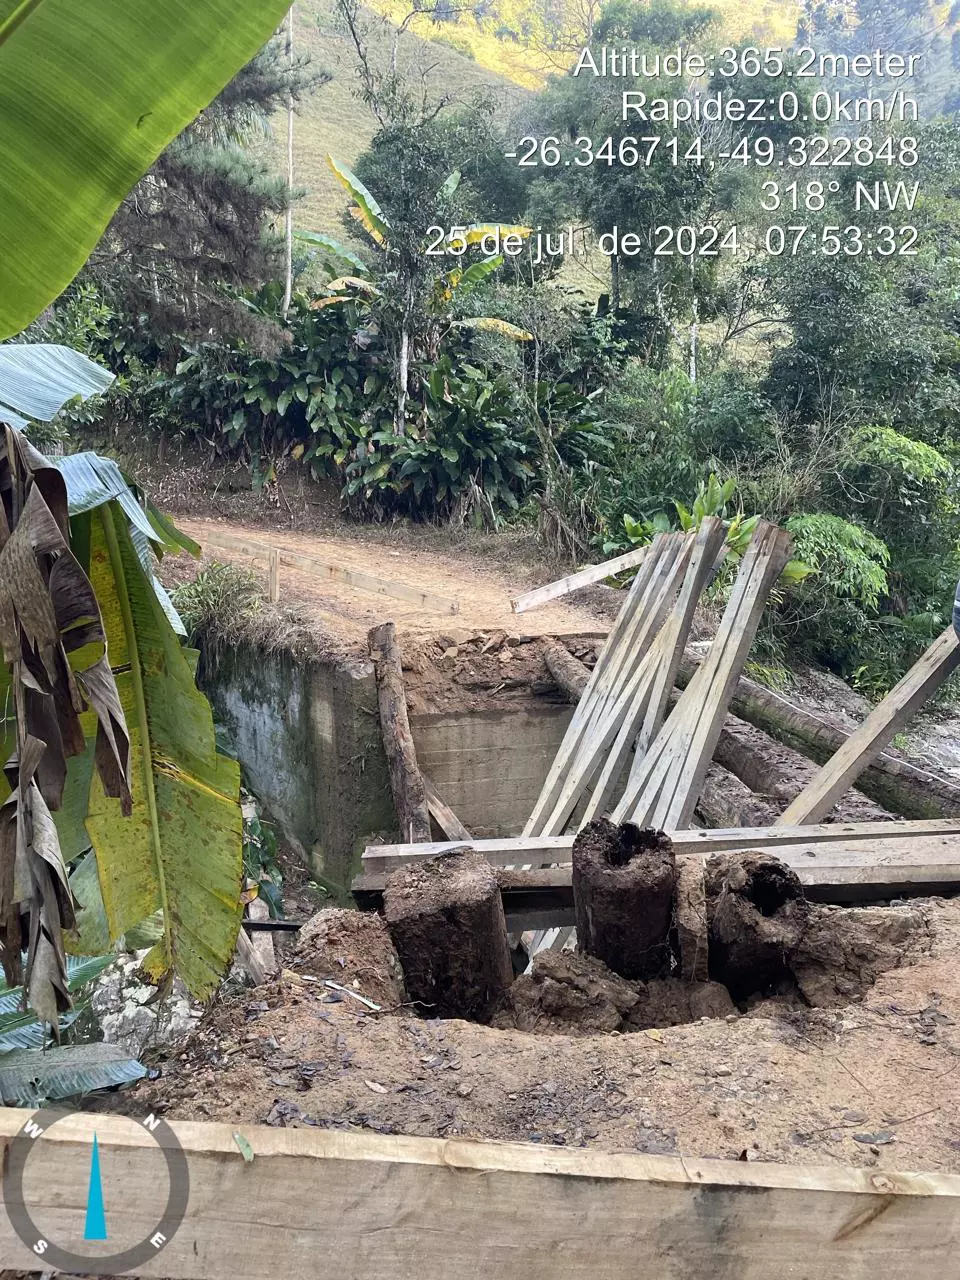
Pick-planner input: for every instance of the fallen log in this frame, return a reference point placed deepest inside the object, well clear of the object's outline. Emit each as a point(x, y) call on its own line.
point(726, 801)
point(409, 797)
point(569, 673)
point(893, 782)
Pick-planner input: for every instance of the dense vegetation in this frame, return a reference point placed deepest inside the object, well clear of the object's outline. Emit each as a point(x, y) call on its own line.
point(820, 391)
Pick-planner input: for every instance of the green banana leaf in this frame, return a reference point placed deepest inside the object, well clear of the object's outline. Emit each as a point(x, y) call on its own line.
point(181, 850)
point(29, 1077)
point(90, 94)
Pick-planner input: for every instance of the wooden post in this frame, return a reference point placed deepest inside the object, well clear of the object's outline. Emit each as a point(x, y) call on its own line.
point(447, 923)
point(879, 728)
point(275, 575)
point(409, 797)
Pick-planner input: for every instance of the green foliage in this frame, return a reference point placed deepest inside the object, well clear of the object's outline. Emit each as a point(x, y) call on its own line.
point(260, 862)
point(849, 561)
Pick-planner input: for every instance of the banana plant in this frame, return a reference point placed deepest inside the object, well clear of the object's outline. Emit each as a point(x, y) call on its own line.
point(358, 285)
point(90, 94)
point(366, 211)
point(111, 745)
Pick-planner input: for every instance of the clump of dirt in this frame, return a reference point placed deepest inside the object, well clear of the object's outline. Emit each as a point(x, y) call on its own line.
point(354, 949)
point(757, 914)
point(575, 994)
point(624, 884)
point(844, 949)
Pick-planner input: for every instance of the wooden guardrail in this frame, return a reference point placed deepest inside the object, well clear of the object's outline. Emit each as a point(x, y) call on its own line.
point(275, 557)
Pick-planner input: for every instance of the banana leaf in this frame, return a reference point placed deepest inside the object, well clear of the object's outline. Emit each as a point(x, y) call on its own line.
point(38, 379)
point(29, 1077)
point(180, 852)
point(90, 94)
point(91, 481)
point(22, 1029)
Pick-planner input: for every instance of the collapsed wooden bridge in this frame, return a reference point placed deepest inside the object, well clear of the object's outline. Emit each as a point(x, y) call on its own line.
point(639, 747)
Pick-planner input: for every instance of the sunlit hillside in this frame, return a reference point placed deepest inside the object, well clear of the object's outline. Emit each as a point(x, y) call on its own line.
point(335, 121)
point(453, 58)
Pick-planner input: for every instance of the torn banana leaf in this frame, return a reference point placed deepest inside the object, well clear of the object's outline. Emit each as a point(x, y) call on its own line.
point(54, 645)
point(181, 851)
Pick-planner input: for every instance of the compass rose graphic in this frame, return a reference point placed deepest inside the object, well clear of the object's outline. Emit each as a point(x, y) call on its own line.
point(173, 1193)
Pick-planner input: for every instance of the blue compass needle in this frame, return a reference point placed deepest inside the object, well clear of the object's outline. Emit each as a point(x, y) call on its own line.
point(96, 1225)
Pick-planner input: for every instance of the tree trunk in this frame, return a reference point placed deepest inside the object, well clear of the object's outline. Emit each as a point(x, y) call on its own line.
point(726, 801)
point(406, 782)
point(288, 222)
point(896, 784)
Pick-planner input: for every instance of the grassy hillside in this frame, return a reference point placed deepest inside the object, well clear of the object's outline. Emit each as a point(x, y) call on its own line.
point(334, 120)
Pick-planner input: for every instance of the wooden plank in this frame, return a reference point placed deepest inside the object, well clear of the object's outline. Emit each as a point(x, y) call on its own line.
point(880, 727)
point(336, 572)
point(637, 624)
point(582, 578)
point(842, 872)
point(383, 858)
point(442, 814)
point(432, 1209)
point(663, 790)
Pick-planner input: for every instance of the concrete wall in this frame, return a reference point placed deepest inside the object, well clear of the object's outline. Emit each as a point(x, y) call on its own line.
point(489, 766)
point(308, 737)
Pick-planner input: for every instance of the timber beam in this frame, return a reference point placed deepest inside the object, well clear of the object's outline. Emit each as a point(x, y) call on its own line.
point(429, 1208)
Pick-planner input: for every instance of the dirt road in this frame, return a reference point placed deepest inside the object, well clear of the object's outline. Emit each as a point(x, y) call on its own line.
point(481, 591)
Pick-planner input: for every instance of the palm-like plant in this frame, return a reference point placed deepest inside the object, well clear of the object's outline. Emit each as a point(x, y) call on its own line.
point(439, 300)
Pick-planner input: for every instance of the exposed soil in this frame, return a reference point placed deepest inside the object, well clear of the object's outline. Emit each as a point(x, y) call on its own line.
point(872, 1081)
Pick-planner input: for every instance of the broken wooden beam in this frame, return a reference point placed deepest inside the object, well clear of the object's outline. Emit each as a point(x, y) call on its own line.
point(582, 578)
point(406, 782)
point(438, 1208)
point(880, 727)
point(442, 814)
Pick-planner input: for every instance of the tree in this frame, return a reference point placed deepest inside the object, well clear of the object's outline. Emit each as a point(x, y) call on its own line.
point(199, 227)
